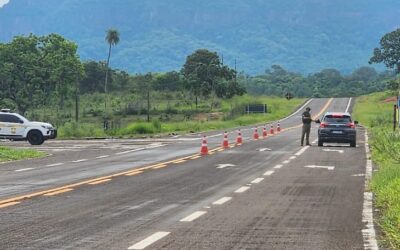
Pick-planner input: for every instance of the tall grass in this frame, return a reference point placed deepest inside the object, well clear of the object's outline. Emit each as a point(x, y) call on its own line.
point(376, 115)
point(75, 130)
point(230, 114)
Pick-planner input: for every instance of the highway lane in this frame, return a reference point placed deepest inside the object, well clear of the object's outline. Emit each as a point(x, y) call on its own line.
point(272, 201)
point(86, 160)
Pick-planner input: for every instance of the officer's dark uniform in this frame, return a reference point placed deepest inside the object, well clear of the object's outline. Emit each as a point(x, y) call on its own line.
point(306, 118)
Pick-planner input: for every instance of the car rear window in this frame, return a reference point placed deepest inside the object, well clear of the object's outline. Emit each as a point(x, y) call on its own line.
point(337, 118)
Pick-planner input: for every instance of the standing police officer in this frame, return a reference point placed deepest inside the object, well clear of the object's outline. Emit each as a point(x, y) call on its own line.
point(306, 118)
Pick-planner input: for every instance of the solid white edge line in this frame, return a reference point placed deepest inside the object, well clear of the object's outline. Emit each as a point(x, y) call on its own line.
point(149, 240)
point(54, 165)
point(193, 216)
point(211, 136)
point(369, 234)
point(129, 151)
point(23, 169)
point(270, 172)
point(222, 200)
point(348, 105)
point(297, 111)
point(156, 146)
point(242, 189)
point(257, 180)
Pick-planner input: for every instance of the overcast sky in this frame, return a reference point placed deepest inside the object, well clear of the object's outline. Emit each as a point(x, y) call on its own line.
point(3, 2)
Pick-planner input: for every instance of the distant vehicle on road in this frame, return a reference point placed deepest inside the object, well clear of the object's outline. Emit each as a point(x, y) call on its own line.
point(15, 127)
point(337, 127)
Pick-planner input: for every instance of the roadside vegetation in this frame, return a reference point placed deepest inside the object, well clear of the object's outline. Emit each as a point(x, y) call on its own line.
point(375, 111)
point(83, 97)
point(228, 114)
point(9, 154)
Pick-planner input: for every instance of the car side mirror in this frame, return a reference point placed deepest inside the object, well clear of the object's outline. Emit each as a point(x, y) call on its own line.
point(317, 121)
point(21, 121)
point(355, 122)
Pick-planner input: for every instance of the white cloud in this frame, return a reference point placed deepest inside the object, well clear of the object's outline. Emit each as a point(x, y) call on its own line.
point(3, 2)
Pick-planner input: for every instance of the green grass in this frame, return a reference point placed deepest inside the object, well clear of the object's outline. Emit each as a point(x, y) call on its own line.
point(74, 130)
point(228, 114)
point(9, 154)
point(376, 115)
point(279, 108)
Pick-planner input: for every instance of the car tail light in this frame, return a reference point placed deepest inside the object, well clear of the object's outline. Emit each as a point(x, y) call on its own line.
point(351, 125)
point(323, 125)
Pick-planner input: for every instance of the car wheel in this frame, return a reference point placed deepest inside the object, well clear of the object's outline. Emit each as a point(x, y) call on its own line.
point(35, 137)
point(353, 144)
point(320, 143)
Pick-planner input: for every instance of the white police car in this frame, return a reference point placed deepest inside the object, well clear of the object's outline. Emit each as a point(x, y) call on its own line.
point(15, 127)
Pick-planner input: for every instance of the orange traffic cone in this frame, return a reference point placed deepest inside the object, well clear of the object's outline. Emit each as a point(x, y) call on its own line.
point(278, 128)
point(255, 135)
point(239, 139)
point(264, 132)
point(225, 143)
point(204, 148)
point(272, 130)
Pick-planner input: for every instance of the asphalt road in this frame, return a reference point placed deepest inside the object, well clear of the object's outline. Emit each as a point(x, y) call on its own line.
point(160, 194)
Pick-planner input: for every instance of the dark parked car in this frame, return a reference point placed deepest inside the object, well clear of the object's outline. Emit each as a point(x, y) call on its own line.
point(337, 127)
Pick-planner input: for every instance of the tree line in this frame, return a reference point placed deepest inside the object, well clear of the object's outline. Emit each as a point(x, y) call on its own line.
point(326, 83)
point(38, 71)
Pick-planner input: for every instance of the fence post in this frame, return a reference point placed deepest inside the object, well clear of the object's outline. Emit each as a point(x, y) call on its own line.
point(394, 117)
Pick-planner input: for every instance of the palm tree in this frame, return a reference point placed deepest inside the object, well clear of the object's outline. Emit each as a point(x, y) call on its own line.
point(112, 39)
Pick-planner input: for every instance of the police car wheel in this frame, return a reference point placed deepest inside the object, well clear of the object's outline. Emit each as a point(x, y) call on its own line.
point(35, 137)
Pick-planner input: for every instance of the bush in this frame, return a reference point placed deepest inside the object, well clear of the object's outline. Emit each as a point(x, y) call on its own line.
point(139, 128)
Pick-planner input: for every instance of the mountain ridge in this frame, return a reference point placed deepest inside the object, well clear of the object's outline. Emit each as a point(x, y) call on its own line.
point(301, 35)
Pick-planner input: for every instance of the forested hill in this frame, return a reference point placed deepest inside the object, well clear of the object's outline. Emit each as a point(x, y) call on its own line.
point(157, 35)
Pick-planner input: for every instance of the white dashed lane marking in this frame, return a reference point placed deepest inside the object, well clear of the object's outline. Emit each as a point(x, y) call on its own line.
point(102, 156)
point(222, 201)
point(269, 173)
point(301, 151)
point(23, 169)
point(286, 162)
point(220, 166)
point(81, 160)
point(193, 216)
point(278, 166)
point(149, 240)
point(55, 164)
point(242, 189)
point(258, 180)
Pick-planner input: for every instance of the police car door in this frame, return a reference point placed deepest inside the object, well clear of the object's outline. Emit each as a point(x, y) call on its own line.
point(5, 128)
point(17, 127)
point(14, 125)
